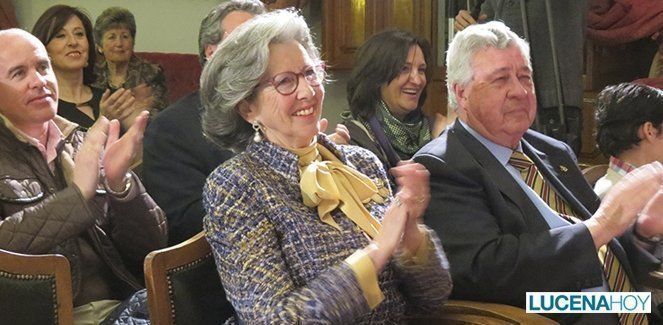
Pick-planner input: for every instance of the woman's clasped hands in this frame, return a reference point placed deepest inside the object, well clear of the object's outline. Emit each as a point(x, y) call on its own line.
point(400, 224)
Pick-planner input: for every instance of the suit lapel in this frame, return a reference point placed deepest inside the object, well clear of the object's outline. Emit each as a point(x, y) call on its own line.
point(544, 165)
point(501, 178)
point(510, 189)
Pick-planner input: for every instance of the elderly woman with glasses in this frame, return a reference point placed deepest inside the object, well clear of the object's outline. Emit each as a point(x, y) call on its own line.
point(304, 230)
point(119, 68)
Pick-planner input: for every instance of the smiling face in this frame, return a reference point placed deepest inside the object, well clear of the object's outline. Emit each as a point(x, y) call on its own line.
point(117, 45)
point(69, 47)
point(28, 89)
point(289, 121)
point(402, 93)
point(499, 102)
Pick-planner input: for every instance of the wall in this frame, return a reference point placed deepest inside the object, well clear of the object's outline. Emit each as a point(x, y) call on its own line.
point(172, 26)
point(162, 26)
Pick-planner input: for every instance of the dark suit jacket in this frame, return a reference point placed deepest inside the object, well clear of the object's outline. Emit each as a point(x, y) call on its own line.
point(499, 245)
point(176, 161)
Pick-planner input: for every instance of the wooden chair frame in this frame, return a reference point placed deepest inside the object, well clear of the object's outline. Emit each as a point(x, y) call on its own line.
point(593, 173)
point(47, 266)
point(157, 266)
point(472, 312)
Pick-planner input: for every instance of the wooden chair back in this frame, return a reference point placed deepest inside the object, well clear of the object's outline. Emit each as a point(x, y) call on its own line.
point(35, 289)
point(593, 173)
point(183, 286)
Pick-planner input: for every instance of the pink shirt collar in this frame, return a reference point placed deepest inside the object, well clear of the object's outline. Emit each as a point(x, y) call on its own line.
point(48, 149)
point(621, 167)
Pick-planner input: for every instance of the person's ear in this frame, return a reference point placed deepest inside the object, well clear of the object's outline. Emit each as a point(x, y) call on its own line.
point(461, 95)
point(247, 110)
point(209, 51)
point(648, 132)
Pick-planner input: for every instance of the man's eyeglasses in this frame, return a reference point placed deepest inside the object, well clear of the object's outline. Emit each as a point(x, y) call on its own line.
point(287, 82)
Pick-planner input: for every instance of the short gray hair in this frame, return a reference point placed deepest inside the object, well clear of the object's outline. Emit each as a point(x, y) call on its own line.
point(210, 28)
point(114, 17)
point(470, 41)
point(237, 67)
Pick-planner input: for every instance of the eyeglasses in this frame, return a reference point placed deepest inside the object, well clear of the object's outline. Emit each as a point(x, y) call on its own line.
point(287, 82)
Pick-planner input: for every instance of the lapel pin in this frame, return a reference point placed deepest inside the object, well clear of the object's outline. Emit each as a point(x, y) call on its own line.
point(563, 168)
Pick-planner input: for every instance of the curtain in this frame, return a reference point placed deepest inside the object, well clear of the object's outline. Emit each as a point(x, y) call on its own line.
point(613, 22)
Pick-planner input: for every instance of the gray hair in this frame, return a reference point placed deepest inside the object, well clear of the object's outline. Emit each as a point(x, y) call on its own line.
point(236, 68)
point(210, 28)
point(470, 41)
point(114, 17)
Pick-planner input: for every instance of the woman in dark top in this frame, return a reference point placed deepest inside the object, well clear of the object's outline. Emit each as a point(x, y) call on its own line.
point(386, 93)
point(67, 34)
point(72, 111)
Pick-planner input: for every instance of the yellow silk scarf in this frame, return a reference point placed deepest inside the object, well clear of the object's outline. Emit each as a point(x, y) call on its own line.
point(328, 183)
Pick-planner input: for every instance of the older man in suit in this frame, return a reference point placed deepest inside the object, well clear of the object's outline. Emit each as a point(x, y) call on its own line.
point(512, 208)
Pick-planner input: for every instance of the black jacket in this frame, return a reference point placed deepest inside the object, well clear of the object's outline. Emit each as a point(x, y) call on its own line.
point(498, 243)
point(176, 161)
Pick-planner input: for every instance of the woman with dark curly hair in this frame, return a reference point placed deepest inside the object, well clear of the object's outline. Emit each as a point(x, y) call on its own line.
point(118, 67)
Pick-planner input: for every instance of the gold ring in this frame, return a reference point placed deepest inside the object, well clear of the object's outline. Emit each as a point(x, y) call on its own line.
point(421, 199)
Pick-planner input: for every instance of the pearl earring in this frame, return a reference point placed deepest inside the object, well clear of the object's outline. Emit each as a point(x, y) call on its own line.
point(256, 136)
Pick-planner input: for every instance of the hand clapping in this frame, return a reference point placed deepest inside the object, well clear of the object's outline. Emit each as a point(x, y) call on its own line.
point(400, 225)
point(636, 197)
point(119, 153)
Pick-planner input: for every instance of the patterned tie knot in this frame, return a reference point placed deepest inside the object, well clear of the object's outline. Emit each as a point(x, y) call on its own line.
point(520, 161)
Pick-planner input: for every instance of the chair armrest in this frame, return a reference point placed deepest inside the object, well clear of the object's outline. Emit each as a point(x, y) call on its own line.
point(473, 312)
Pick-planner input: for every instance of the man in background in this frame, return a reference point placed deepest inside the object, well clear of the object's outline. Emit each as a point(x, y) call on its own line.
point(629, 129)
point(177, 158)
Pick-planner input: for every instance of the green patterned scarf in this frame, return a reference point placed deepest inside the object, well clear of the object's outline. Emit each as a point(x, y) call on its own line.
point(406, 136)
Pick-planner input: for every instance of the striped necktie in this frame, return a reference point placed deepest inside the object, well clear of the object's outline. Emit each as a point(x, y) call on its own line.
point(615, 274)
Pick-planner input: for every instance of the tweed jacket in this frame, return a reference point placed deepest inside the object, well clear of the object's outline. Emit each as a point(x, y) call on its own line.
point(41, 212)
point(280, 264)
